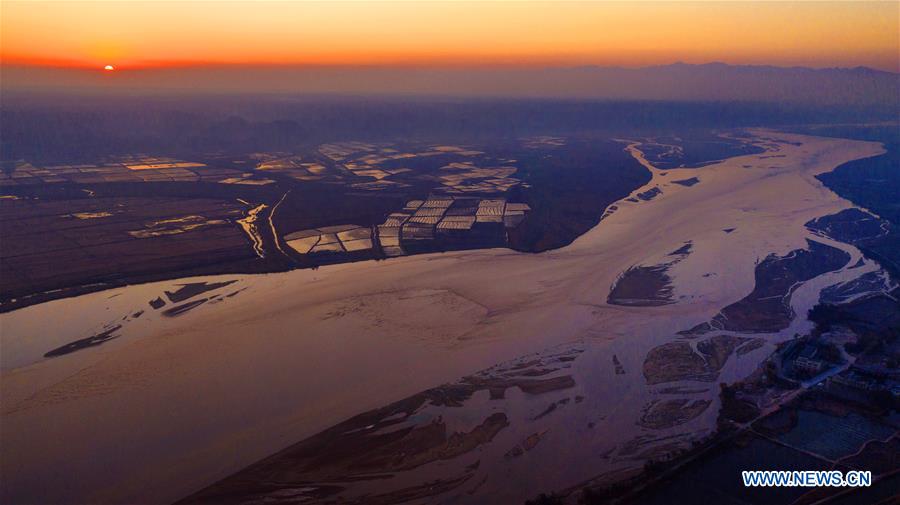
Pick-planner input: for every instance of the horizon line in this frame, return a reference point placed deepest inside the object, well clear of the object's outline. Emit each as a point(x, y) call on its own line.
point(163, 66)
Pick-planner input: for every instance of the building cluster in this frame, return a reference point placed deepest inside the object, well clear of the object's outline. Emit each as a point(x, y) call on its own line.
point(867, 381)
point(866, 384)
point(805, 358)
point(807, 363)
point(331, 239)
point(436, 223)
point(448, 221)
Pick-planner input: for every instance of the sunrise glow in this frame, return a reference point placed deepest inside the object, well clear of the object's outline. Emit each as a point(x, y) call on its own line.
point(171, 34)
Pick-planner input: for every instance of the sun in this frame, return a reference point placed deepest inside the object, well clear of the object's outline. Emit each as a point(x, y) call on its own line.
point(109, 67)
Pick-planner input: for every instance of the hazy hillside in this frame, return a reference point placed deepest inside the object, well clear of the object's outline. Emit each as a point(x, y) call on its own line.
point(713, 81)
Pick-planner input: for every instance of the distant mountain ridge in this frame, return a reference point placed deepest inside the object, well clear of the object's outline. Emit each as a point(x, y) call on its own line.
point(721, 81)
point(678, 81)
point(720, 64)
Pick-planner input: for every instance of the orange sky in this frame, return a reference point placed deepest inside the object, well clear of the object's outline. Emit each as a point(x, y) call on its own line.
point(132, 34)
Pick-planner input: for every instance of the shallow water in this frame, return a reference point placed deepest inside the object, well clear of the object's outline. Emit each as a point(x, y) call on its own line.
point(230, 382)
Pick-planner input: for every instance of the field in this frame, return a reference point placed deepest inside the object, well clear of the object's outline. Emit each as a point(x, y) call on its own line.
point(75, 228)
point(51, 244)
